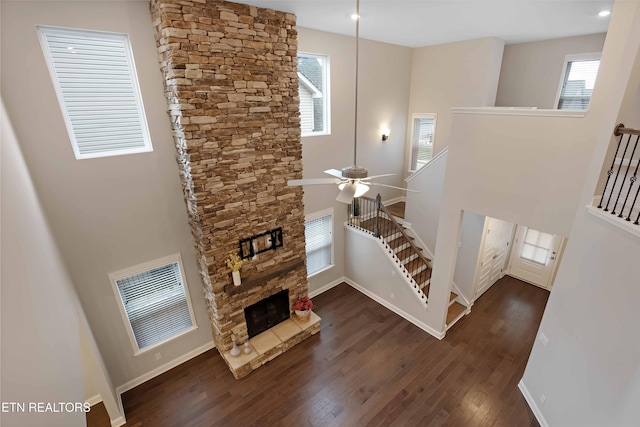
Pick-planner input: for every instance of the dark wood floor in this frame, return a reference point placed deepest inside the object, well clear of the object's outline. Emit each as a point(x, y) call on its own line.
point(367, 366)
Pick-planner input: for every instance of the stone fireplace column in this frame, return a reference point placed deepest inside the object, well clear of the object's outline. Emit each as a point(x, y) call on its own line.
point(230, 78)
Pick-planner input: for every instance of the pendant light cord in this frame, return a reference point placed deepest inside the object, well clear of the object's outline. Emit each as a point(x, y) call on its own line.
point(355, 132)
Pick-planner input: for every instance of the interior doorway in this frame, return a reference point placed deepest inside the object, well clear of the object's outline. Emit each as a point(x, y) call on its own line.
point(494, 254)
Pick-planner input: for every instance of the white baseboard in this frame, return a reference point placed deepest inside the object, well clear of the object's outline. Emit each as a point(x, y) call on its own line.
point(94, 400)
point(120, 421)
point(326, 287)
point(164, 368)
point(394, 200)
point(532, 404)
point(420, 324)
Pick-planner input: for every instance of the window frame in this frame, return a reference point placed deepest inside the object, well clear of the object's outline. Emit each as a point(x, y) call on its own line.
point(141, 268)
point(42, 31)
point(574, 57)
point(326, 94)
point(415, 116)
point(317, 215)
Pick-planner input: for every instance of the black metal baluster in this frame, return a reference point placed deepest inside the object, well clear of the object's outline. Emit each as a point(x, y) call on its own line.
point(350, 214)
point(626, 172)
point(633, 204)
point(606, 208)
point(377, 219)
point(632, 180)
point(613, 163)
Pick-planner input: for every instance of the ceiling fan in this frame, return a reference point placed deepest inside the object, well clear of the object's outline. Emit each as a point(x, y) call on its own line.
point(353, 181)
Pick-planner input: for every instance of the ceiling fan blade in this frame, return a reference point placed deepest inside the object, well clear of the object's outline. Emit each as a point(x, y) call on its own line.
point(334, 172)
point(347, 193)
point(378, 176)
point(391, 186)
point(312, 181)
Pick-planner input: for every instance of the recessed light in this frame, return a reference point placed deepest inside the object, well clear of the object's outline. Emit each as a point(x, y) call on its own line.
point(355, 16)
point(604, 13)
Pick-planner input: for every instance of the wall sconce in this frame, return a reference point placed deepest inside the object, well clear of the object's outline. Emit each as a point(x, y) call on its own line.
point(385, 134)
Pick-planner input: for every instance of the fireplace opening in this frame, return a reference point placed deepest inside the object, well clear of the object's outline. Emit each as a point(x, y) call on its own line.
point(267, 313)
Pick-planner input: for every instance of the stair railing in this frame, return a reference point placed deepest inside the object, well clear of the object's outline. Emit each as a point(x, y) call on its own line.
point(372, 216)
point(618, 189)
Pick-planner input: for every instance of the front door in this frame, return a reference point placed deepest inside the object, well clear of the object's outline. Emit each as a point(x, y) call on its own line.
point(534, 256)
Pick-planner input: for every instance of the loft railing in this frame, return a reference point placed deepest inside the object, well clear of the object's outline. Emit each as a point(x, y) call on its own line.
point(373, 217)
point(620, 195)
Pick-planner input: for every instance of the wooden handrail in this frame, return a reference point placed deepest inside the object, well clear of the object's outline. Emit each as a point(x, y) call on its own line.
point(621, 130)
point(401, 229)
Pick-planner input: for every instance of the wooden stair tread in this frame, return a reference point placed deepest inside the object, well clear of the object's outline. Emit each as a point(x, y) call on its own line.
point(414, 265)
point(397, 209)
point(397, 242)
point(454, 311)
point(452, 297)
point(422, 277)
point(405, 253)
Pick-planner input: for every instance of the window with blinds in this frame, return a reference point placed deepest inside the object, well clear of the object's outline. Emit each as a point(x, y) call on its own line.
point(95, 80)
point(578, 78)
point(422, 135)
point(318, 234)
point(313, 91)
point(154, 300)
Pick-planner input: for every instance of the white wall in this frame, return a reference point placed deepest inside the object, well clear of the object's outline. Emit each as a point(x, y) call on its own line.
point(423, 208)
point(588, 371)
point(423, 213)
point(110, 213)
point(514, 167)
point(383, 100)
point(468, 252)
point(369, 267)
point(460, 74)
point(531, 72)
point(40, 353)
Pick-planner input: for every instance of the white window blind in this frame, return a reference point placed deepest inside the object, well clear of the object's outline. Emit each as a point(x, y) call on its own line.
point(318, 235)
point(577, 82)
point(536, 246)
point(155, 302)
point(422, 135)
point(97, 87)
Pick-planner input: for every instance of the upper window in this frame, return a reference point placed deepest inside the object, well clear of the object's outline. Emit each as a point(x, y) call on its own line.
point(97, 87)
point(422, 134)
point(313, 91)
point(578, 77)
point(154, 301)
point(318, 234)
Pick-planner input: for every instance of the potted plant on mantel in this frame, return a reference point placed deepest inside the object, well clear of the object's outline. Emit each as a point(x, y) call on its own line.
point(234, 262)
point(302, 308)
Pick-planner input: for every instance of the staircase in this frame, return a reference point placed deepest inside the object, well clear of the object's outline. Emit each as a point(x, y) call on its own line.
point(402, 248)
point(371, 216)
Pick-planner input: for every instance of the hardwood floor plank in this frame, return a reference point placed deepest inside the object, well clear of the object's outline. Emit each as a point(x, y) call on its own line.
point(366, 367)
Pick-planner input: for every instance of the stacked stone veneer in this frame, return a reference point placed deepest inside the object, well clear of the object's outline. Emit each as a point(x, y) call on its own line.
point(230, 76)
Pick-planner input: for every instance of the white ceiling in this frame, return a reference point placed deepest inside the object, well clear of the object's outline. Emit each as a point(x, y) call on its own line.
point(417, 23)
